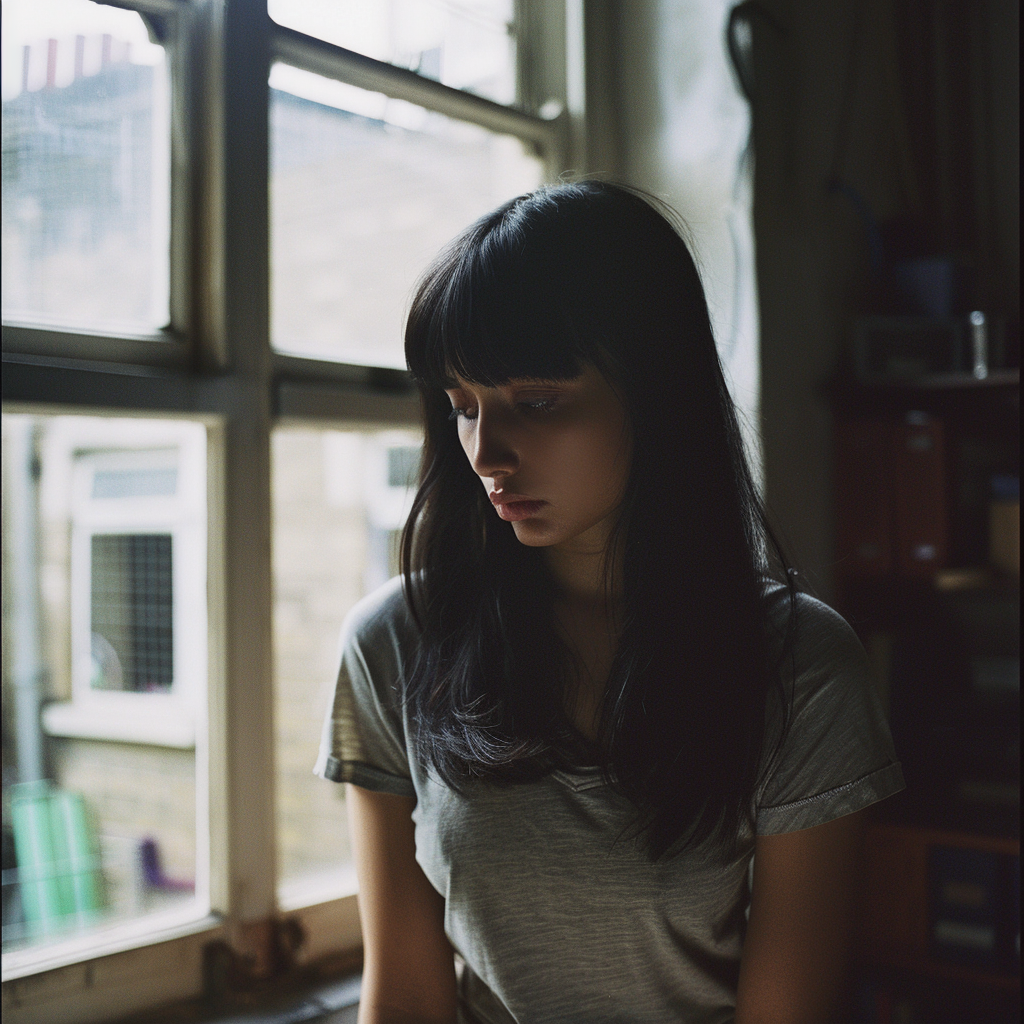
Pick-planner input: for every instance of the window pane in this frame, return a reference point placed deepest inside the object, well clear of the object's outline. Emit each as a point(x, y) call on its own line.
point(104, 674)
point(122, 483)
point(340, 498)
point(132, 631)
point(468, 45)
point(86, 167)
point(365, 191)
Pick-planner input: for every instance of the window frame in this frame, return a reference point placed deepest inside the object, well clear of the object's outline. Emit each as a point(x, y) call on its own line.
point(159, 719)
point(214, 363)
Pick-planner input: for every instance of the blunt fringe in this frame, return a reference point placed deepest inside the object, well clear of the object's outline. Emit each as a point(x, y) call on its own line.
point(569, 275)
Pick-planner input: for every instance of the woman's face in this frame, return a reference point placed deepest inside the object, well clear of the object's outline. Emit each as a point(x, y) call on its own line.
point(553, 456)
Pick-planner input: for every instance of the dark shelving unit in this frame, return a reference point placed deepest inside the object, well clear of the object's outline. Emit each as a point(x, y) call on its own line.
point(938, 934)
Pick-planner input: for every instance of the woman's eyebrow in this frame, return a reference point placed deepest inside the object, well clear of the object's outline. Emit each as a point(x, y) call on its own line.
point(518, 382)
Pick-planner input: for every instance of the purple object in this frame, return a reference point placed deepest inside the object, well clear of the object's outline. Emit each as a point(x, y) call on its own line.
point(152, 870)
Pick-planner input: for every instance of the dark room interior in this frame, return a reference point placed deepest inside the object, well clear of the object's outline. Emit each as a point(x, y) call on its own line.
point(214, 215)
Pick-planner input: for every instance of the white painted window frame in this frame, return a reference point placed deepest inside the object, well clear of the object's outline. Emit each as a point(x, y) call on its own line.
point(150, 718)
point(214, 363)
point(387, 506)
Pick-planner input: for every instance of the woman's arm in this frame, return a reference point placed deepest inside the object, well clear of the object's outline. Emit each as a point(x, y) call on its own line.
point(801, 918)
point(409, 967)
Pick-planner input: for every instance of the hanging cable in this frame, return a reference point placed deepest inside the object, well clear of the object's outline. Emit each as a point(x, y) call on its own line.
point(739, 42)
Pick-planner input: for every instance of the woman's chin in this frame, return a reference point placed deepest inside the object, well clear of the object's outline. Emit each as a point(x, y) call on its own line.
point(535, 534)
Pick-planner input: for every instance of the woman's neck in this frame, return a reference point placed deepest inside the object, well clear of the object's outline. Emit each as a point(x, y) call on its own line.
point(581, 579)
point(588, 614)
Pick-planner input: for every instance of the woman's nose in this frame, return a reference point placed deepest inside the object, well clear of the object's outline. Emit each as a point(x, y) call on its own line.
point(493, 452)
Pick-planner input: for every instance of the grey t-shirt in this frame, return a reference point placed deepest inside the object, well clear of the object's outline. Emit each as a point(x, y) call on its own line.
point(558, 919)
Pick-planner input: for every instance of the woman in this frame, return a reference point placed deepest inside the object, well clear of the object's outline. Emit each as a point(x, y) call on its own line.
point(595, 698)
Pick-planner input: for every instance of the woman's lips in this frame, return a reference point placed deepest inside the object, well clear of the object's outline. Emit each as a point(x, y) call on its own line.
point(513, 511)
point(512, 507)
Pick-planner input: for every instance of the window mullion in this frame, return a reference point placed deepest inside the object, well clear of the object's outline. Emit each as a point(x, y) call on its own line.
point(242, 723)
point(323, 58)
point(185, 149)
point(331, 403)
point(159, 350)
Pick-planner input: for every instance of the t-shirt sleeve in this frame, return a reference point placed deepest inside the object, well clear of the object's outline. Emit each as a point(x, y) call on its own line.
point(363, 738)
point(837, 756)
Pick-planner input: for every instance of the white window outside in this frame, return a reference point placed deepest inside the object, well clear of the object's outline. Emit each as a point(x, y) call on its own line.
point(392, 466)
point(138, 584)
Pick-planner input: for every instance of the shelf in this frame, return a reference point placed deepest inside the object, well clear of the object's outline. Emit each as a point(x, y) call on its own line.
point(924, 836)
point(943, 392)
point(941, 382)
point(896, 910)
point(914, 463)
point(925, 967)
point(979, 579)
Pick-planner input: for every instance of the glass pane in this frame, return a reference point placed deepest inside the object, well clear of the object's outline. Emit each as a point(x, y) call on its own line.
point(468, 45)
point(132, 623)
point(86, 167)
point(340, 498)
point(122, 483)
point(104, 674)
point(365, 191)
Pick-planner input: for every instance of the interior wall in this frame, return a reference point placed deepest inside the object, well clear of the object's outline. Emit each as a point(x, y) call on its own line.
point(682, 129)
point(864, 111)
point(825, 122)
point(900, 112)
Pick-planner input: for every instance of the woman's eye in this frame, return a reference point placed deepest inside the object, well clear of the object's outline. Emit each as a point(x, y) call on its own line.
point(540, 405)
point(526, 405)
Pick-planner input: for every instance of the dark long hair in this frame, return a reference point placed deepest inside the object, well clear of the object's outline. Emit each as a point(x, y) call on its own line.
point(569, 275)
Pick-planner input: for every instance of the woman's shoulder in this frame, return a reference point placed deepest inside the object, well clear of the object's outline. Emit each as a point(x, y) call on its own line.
point(381, 618)
point(835, 754)
point(363, 735)
point(808, 620)
point(823, 660)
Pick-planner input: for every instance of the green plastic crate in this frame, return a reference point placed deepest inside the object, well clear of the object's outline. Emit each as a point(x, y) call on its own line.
point(58, 868)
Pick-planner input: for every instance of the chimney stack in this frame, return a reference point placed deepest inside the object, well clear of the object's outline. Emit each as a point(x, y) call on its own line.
point(51, 63)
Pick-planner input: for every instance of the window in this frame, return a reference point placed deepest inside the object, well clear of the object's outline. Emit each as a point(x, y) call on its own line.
point(469, 46)
point(104, 559)
point(210, 461)
point(131, 607)
point(137, 565)
point(365, 190)
point(340, 498)
point(86, 165)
